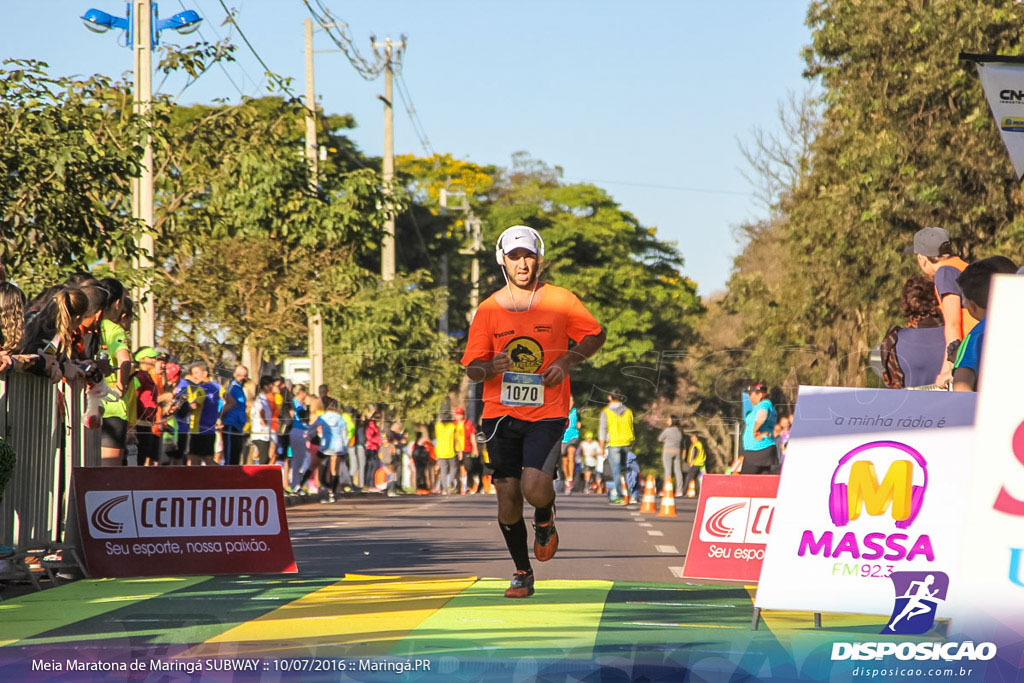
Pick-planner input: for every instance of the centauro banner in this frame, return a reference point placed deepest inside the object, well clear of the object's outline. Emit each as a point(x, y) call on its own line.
point(872, 486)
point(1003, 81)
point(147, 521)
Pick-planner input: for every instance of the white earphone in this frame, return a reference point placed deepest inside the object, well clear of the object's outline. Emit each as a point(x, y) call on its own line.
point(499, 253)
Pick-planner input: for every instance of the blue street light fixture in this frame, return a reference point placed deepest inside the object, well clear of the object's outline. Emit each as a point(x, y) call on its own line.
point(99, 21)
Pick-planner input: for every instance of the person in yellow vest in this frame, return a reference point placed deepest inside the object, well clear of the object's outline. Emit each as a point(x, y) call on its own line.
point(935, 257)
point(615, 437)
point(444, 449)
point(470, 467)
point(696, 458)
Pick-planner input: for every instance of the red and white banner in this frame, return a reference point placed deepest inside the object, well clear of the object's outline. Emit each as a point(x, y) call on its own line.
point(174, 521)
point(734, 517)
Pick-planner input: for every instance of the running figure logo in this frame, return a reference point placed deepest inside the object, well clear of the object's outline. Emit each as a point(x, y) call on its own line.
point(918, 595)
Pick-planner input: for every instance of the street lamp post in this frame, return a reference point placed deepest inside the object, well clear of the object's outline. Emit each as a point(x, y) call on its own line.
point(143, 28)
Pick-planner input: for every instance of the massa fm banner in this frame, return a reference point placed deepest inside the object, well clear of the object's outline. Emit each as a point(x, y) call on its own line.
point(872, 491)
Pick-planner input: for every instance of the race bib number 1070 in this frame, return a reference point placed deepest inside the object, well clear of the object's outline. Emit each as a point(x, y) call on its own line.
point(521, 389)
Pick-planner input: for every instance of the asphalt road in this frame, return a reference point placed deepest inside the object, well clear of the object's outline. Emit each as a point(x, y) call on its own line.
point(459, 536)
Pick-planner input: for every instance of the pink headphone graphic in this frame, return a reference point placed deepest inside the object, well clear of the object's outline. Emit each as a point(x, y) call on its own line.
point(838, 502)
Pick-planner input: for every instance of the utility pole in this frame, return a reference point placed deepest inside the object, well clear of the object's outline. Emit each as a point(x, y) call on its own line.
point(315, 320)
point(392, 53)
point(144, 327)
point(311, 146)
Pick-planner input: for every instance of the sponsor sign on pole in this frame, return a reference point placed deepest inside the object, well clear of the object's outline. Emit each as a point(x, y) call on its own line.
point(872, 487)
point(991, 587)
point(1003, 81)
point(170, 521)
point(734, 518)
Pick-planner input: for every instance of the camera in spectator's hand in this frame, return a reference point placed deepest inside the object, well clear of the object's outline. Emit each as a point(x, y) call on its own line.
point(97, 369)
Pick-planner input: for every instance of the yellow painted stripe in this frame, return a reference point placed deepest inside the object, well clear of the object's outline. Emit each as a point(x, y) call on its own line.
point(368, 612)
point(29, 615)
point(560, 620)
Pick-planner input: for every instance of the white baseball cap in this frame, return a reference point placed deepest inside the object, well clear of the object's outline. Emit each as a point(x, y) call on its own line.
point(520, 237)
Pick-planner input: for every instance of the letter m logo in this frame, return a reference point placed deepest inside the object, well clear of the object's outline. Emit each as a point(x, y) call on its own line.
point(894, 491)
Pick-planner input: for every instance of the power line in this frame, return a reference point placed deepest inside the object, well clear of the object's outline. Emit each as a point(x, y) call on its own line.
point(270, 74)
point(410, 109)
point(338, 33)
point(219, 62)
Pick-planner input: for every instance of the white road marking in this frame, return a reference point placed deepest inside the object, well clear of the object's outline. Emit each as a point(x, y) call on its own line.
point(670, 549)
point(654, 532)
point(676, 572)
point(646, 524)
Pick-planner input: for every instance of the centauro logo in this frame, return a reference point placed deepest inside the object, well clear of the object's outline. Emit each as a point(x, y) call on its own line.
point(164, 514)
point(737, 520)
point(526, 355)
point(100, 517)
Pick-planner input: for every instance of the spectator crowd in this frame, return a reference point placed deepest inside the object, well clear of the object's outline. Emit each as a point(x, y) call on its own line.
point(945, 308)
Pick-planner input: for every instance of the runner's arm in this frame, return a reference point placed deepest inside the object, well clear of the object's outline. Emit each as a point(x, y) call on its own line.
point(483, 370)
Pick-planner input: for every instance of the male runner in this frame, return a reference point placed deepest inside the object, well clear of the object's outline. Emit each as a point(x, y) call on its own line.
point(518, 347)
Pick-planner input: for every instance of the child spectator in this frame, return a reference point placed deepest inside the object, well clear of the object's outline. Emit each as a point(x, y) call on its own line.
point(975, 282)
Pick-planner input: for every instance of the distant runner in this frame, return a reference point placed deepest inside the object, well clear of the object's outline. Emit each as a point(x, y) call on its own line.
point(518, 347)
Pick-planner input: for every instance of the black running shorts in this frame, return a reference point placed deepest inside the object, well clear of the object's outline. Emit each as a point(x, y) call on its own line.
point(518, 444)
point(202, 445)
point(114, 432)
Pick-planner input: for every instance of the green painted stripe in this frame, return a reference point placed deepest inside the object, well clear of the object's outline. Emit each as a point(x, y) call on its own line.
point(35, 613)
point(672, 619)
point(560, 621)
point(190, 615)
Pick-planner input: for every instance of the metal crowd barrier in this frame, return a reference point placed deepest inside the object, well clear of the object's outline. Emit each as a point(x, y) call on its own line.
point(43, 424)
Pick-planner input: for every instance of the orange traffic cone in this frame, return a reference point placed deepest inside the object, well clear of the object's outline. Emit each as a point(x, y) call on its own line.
point(626, 493)
point(668, 501)
point(650, 499)
point(691, 490)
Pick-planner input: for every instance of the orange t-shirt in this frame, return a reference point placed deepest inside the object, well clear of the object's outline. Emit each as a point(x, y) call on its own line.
point(534, 339)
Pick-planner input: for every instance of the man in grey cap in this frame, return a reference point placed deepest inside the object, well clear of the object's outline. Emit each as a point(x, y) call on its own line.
point(935, 257)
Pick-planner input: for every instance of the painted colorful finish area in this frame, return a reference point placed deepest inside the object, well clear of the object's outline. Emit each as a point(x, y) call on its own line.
point(370, 628)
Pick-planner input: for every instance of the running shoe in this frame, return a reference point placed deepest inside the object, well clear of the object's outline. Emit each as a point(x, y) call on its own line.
point(521, 585)
point(545, 542)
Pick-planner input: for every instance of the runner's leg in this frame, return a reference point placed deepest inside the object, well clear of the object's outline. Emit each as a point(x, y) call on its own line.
point(510, 519)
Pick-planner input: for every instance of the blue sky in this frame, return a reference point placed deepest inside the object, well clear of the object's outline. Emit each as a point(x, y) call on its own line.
point(629, 94)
